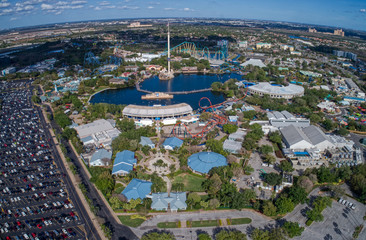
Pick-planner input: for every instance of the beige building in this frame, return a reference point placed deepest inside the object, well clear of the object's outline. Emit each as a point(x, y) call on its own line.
point(339, 32)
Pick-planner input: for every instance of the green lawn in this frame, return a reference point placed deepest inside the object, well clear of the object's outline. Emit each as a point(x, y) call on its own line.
point(191, 183)
point(126, 220)
point(167, 225)
point(205, 223)
point(238, 221)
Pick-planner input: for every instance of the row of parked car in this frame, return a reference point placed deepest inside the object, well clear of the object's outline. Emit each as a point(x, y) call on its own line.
point(347, 204)
point(34, 202)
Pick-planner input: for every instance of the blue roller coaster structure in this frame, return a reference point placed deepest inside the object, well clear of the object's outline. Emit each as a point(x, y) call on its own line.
point(91, 59)
point(205, 53)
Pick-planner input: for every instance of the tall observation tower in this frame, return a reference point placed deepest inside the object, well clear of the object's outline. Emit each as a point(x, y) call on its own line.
point(167, 74)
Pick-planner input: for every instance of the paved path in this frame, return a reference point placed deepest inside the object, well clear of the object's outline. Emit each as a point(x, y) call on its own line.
point(258, 221)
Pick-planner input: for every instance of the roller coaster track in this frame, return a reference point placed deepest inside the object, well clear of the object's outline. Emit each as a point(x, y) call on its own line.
point(194, 51)
point(216, 119)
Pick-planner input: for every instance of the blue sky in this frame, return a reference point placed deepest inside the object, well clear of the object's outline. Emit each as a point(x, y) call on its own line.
point(338, 13)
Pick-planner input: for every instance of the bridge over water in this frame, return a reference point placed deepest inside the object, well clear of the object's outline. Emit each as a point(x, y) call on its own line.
point(138, 88)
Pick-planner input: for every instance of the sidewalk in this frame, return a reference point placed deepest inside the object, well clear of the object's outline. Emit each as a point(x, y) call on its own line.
point(73, 179)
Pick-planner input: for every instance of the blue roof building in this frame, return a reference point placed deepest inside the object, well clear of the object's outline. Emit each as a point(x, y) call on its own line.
point(137, 189)
point(145, 141)
point(100, 158)
point(124, 162)
point(174, 202)
point(202, 162)
point(172, 143)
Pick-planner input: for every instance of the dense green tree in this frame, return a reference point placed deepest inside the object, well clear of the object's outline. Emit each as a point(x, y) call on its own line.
point(315, 118)
point(104, 182)
point(278, 234)
point(259, 234)
point(273, 179)
point(265, 149)
point(286, 166)
point(284, 205)
point(213, 184)
point(325, 175)
point(297, 194)
point(275, 137)
point(343, 131)
point(193, 198)
point(204, 236)
point(328, 124)
point(214, 203)
point(268, 208)
point(225, 234)
point(36, 99)
point(230, 128)
point(293, 229)
point(215, 146)
point(62, 119)
point(249, 144)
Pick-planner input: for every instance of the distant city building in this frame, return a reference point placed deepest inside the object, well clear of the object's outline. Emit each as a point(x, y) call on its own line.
point(339, 32)
point(312, 30)
point(138, 25)
point(263, 45)
point(348, 55)
point(243, 44)
point(297, 53)
point(276, 91)
point(287, 47)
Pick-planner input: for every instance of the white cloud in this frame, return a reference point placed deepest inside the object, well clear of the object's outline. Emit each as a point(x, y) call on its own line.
point(4, 4)
point(150, 7)
point(363, 10)
point(45, 6)
point(188, 9)
point(79, 2)
point(169, 9)
point(104, 3)
point(97, 8)
point(13, 18)
point(128, 7)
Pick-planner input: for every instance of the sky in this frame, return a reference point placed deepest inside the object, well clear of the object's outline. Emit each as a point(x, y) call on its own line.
point(337, 13)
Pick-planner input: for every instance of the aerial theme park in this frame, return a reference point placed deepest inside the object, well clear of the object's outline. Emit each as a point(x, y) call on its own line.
point(180, 128)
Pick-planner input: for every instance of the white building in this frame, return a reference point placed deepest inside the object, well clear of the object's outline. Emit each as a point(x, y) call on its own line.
point(275, 91)
point(102, 132)
point(300, 139)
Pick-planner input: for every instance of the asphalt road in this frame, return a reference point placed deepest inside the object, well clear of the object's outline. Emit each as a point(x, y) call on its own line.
point(120, 232)
point(89, 227)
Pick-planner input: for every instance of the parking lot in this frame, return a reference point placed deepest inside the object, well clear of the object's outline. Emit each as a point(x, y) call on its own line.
point(339, 221)
point(34, 199)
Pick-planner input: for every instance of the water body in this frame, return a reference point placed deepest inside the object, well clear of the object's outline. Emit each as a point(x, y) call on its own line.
point(182, 82)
